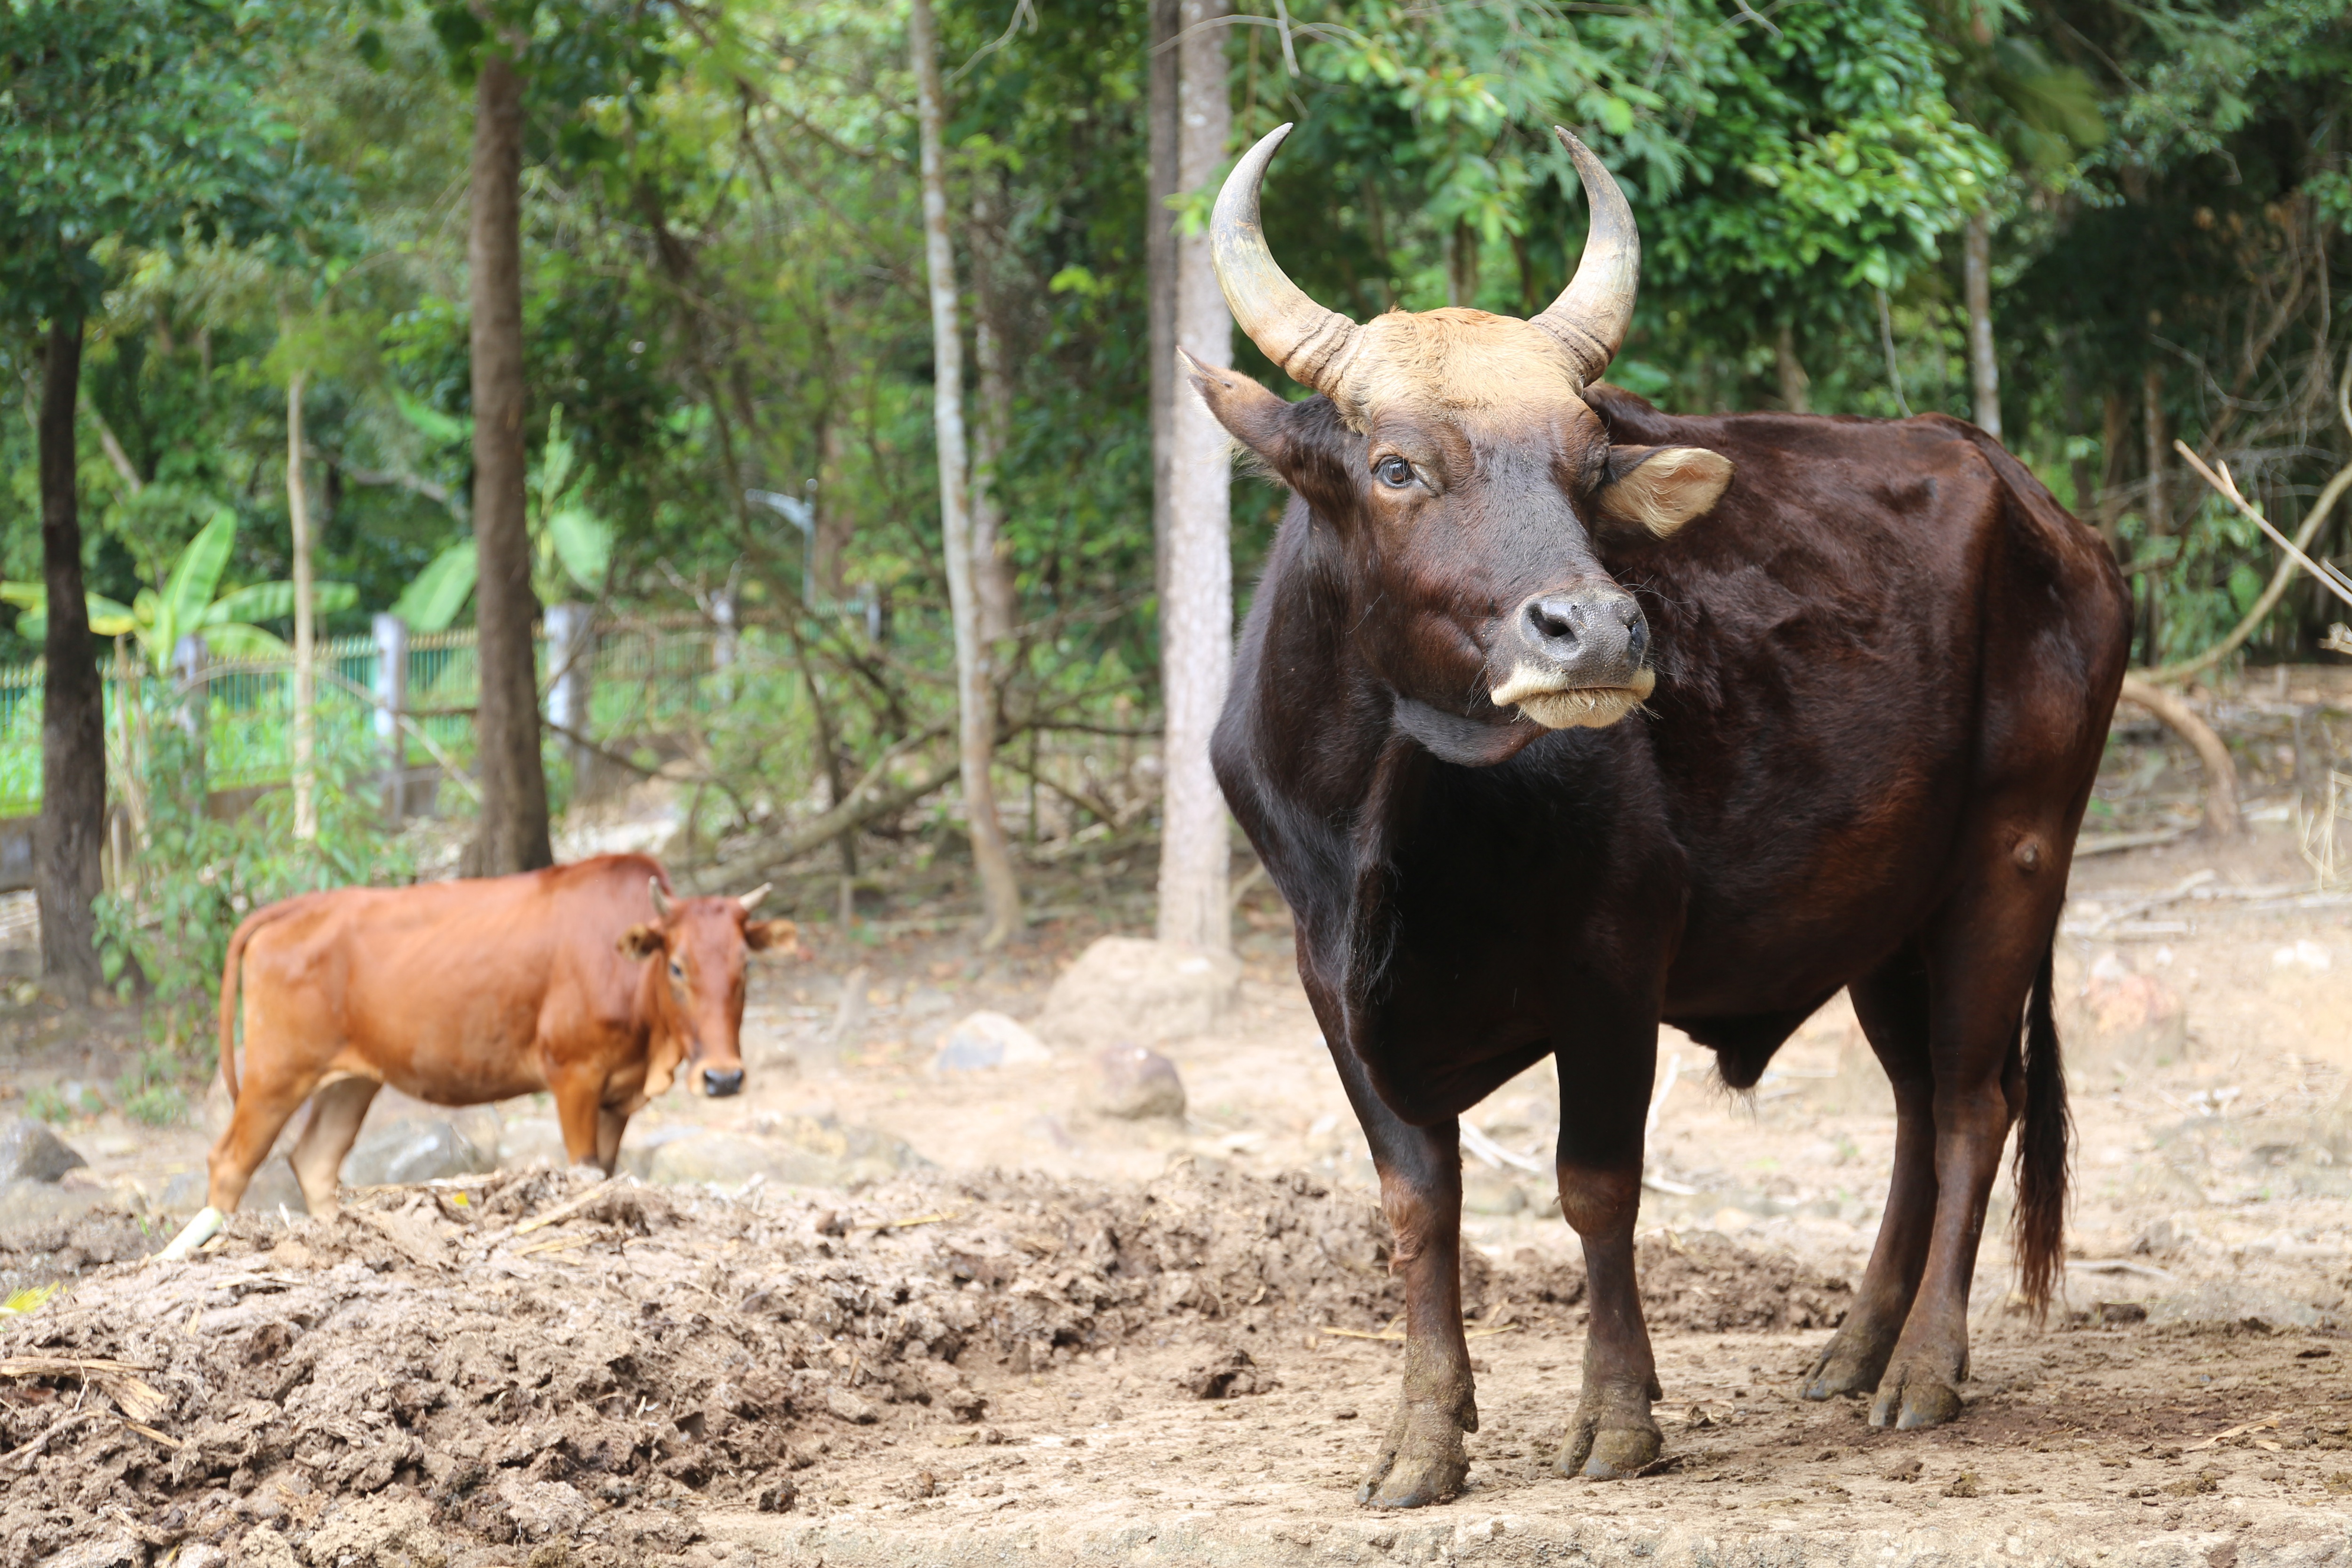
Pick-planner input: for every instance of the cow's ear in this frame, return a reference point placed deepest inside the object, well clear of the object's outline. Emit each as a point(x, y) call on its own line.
point(762, 935)
point(1662, 487)
point(1255, 417)
point(640, 941)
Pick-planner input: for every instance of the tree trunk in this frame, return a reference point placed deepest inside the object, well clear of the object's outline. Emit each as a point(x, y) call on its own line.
point(1000, 893)
point(2115, 436)
point(1984, 371)
point(512, 834)
point(1461, 266)
point(992, 434)
point(297, 508)
point(2151, 412)
point(70, 838)
point(1160, 268)
point(1196, 606)
point(1796, 387)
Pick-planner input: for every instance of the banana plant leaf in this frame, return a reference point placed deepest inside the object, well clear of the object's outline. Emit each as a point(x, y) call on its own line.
point(275, 602)
point(433, 599)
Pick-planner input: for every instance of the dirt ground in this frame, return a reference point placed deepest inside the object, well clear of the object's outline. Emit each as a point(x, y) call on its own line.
point(999, 1354)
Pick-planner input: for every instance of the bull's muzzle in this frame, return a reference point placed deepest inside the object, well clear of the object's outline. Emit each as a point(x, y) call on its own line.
point(720, 1082)
point(1578, 658)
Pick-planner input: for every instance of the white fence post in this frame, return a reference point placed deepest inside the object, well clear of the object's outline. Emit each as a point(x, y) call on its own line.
point(571, 656)
point(391, 703)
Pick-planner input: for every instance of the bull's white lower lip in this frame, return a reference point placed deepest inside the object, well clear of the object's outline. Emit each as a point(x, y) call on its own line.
point(1557, 707)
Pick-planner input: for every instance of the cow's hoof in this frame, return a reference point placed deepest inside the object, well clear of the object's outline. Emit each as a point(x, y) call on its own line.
point(1913, 1397)
point(1422, 1462)
point(1847, 1365)
point(1612, 1437)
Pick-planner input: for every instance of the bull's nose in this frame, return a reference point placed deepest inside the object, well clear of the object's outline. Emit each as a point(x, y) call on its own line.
point(1603, 630)
point(719, 1083)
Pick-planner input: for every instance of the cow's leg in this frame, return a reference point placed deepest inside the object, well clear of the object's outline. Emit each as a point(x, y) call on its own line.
point(264, 1107)
point(1422, 1459)
point(579, 1109)
point(336, 1112)
point(610, 1125)
point(1604, 1095)
point(1892, 1004)
point(1983, 951)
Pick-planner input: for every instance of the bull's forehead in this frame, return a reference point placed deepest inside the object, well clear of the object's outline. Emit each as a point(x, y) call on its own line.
point(1460, 364)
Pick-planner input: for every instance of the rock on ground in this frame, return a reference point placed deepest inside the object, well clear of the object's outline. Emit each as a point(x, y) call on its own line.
point(30, 1152)
point(1132, 1083)
point(1128, 990)
point(418, 1151)
point(986, 1039)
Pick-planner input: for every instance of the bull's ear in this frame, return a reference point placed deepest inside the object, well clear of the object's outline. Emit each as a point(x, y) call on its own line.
point(1662, 487)
point(1257, 417)
point(640, 941)
point(762, 935)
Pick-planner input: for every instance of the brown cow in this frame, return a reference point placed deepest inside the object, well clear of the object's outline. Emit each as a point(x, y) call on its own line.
point(462, 993)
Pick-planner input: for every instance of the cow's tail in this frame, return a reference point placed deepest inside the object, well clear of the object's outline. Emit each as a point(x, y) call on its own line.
point(232, 968)
point(2042, 1148)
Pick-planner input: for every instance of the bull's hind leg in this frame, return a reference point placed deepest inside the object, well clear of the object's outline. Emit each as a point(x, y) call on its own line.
point(1984, 950)
point(1422, 1459)
point(1892, 1002)
point(1603, 1093)
point(337, 1110)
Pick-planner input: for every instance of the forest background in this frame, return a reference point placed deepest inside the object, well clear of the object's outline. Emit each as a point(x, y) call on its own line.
point(2095, 227)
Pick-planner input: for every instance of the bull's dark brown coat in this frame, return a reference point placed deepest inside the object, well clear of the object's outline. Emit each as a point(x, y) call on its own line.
point(1885, 665)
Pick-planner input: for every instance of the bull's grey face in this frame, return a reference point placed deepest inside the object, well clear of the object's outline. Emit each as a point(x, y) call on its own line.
point(1471, 485)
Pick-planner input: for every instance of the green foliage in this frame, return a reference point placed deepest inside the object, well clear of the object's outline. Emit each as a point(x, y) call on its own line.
point(198, 878)
point(52, 1103)
point(150, 1091)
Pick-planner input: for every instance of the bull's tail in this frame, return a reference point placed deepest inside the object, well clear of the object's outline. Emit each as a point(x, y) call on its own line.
point(232, 969)
point(2042, 1148)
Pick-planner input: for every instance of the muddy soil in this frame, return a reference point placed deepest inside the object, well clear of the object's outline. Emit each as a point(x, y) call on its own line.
point(1001, 1355)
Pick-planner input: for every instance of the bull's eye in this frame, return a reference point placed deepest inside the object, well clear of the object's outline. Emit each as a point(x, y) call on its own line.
point(1394, 472)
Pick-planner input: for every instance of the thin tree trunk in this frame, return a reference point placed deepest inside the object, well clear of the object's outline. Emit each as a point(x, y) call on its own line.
point(298, 506)
point(1000, 893)
point(992, 434)
point(70, 838)
point(512, 835)
point(2151, 412)
point(1984, 370)
point(1160, 267)
point(2115, 436)
point(1796, 387)
point(1196, 606)
point(1461, 266)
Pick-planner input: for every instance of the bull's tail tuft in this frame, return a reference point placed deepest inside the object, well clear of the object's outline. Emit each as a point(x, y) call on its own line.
point(2042, 1152)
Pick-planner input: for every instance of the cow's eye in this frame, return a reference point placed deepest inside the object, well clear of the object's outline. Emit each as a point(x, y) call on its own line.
point(677, 970)
point(1393, 472)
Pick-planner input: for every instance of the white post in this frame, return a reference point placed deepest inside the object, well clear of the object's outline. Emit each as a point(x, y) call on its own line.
point(571, 650)
point(391, 703)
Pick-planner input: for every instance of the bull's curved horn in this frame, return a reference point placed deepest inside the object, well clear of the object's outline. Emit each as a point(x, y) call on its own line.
point(661, 900)
point(1591, 314)
point(751, 900)
point(1310, 344)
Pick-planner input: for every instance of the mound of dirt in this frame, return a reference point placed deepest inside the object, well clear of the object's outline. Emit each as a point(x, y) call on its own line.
point(446, 1372)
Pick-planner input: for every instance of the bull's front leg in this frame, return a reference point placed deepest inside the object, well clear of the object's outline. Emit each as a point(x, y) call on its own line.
point(1422, 1460)
point(1604, 1095)
point(610, 1124)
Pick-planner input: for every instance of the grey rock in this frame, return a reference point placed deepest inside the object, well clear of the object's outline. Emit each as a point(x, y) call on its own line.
point(985, 1039)
point(536, 1141)
point(273, 1187)
point(1132, 1083)
point(1123, 988)
point(29, 1152)
point(798, 1151)
point(404, 1152)
point(1492, 1193)
point(28, 1205)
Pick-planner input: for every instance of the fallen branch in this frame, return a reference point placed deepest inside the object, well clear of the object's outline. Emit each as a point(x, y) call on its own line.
point(134, 1396)
point(2220, 773)
point(846, 817)
point(564, 1211)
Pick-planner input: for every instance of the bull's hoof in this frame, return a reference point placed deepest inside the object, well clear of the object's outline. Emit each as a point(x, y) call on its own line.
point(1422, 1462)
point(1911, 1397)
point(1612, 1437)
point(1849, 1363)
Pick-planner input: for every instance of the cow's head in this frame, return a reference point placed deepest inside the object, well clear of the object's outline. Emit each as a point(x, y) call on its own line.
point(1470, 488)
point(697, 1002)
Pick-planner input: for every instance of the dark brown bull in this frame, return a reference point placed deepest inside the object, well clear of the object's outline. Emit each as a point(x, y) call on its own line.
point(1537, 768)
point(584, 981)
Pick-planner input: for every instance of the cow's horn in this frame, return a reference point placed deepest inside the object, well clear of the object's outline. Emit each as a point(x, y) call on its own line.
point(661, 903)
point(751, 900)
point(1309, 342)
point(1591, 314)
